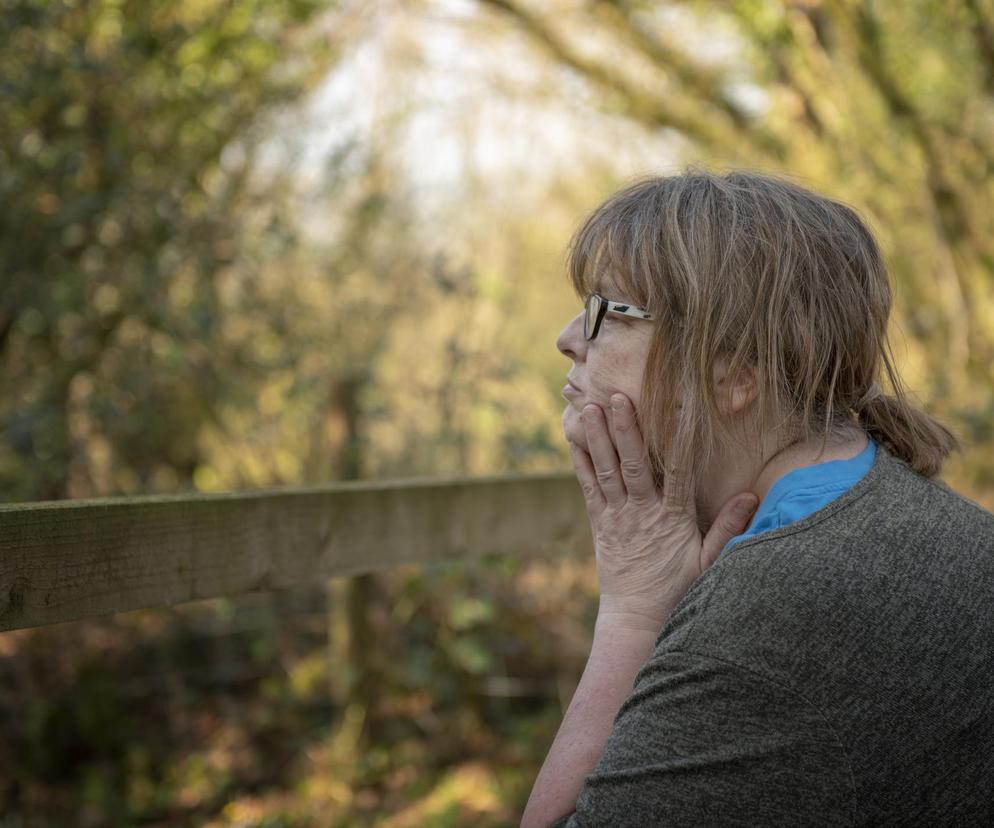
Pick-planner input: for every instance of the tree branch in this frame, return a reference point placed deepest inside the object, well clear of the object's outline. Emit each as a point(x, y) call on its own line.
point(706, 86)
point(955, 224)
point(641, 107)
point(983, 36)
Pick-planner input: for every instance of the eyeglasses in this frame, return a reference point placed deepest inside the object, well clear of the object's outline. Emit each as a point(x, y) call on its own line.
point(597, 306)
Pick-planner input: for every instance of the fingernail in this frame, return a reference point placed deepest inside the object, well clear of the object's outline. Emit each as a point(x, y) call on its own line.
point(589, 412)
point(617, 402)
point(745, 507)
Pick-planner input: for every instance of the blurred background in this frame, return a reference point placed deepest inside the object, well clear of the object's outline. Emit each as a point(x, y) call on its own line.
point(254, 244)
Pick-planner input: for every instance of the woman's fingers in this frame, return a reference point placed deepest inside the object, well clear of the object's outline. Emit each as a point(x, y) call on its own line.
point(732, 520)
point(587, 477)
point(635, 470)
point(604, 457)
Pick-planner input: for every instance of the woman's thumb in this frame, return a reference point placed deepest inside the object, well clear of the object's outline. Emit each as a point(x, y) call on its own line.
point(732, 520)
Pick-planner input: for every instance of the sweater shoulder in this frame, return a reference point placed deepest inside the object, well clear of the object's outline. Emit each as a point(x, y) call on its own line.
point(898, 545)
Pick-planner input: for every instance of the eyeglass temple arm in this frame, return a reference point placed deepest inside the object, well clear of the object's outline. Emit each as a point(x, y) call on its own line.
point(628, 310)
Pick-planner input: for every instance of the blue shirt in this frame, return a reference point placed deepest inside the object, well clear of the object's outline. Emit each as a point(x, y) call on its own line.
point(802, 491)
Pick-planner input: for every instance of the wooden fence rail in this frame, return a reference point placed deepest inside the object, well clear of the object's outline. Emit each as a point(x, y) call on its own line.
point(66, 560)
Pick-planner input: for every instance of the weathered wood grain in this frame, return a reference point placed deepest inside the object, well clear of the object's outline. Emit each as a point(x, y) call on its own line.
point(65, 560)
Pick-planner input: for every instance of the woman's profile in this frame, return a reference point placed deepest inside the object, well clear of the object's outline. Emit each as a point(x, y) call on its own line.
point(794, 622)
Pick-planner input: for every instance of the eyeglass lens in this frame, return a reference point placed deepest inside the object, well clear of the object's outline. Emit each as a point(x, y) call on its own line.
point(590, 317)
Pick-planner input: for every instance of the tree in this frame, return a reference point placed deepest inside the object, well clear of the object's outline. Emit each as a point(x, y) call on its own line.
point(125, 175)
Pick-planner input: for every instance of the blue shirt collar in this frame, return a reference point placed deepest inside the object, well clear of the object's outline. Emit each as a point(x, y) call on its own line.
point(803, 491)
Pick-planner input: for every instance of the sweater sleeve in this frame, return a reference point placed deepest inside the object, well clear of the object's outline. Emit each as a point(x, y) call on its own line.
point(703, 741)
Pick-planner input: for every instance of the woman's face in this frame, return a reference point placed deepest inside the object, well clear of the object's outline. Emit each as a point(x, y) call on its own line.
point(612, 362)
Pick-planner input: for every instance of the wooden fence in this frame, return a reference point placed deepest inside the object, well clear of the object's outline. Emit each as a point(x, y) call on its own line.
point(73, 559)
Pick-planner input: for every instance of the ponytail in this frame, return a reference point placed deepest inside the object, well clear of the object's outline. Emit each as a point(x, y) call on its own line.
point(905, 430)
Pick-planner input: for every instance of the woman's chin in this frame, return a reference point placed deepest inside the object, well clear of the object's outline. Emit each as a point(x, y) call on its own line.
point(573, 428)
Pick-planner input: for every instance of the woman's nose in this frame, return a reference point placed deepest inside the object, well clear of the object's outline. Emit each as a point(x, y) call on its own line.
point(570, 340)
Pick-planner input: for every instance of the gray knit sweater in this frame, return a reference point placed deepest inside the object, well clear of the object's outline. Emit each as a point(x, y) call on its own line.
point(836, 671)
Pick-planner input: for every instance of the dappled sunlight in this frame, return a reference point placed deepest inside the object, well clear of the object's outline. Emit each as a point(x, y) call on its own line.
point(466, 794)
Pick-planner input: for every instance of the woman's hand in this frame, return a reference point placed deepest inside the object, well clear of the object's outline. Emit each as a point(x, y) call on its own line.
point(648, 547)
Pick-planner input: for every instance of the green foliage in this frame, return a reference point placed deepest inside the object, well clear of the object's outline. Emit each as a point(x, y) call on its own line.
point(167, 321)
point(226, 712)
point(124, 165)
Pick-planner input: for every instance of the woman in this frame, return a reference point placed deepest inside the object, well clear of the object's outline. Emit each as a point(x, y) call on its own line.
point(829, 661)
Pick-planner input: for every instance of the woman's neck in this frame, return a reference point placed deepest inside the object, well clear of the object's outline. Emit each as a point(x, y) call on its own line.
point(743, 473)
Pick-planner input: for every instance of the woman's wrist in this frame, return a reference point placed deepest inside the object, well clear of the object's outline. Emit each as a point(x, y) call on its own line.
point(630, 613)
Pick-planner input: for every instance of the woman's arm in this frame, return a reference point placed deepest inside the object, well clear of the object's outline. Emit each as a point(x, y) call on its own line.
point(649, 550)
point(621, 645)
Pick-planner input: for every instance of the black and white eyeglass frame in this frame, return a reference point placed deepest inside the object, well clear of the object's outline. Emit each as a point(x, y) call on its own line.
point(596, 307)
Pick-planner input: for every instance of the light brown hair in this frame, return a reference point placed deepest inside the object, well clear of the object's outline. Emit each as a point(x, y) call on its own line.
point(766, 274)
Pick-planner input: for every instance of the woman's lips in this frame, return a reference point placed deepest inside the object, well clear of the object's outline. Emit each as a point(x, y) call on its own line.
point(570, 390)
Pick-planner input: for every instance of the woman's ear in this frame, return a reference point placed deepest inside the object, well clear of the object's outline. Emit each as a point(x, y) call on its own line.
point(734, 394)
